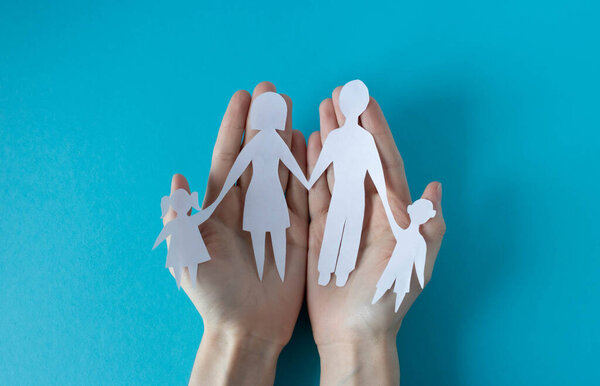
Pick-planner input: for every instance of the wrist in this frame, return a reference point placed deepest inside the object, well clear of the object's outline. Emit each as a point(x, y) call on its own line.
point(241, 342)
point(353, 348)
point(373, 360)
point(228, 356)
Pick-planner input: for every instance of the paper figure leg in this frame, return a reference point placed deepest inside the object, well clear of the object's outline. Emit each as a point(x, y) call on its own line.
point(258, 244)
point(385, 282)
point(177, 272)
point(420, 269)
point(399, 299)
point(403, 275)
point(348, 249)
point(193, 269)
point(334, 227)
point(278, 241)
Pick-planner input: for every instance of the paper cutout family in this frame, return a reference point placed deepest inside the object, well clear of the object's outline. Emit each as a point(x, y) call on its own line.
point(352, 152)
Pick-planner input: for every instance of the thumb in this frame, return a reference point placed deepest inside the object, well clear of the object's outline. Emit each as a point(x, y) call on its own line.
point(434, 229)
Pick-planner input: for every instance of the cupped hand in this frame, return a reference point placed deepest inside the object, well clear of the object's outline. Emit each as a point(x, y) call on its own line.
point(229, 295)
point(345, 315)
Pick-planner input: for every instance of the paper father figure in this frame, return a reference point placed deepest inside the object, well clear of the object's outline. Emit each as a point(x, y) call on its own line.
point(352, 151)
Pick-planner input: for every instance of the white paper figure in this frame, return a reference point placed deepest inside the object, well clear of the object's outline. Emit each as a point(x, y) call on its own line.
point(186, 246)
point(410, 250)
point(352, 151)
point(265, 207)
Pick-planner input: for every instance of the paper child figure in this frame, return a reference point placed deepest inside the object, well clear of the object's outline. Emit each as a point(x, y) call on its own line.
point(186, 247)
point(410, 250)
point(265, 207)
point(352, 151)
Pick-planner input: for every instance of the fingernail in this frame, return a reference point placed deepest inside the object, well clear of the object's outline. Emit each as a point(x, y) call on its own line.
point(438, 192)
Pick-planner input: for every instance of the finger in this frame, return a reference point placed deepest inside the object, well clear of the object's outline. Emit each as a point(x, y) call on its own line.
point(327, 117)
point(297, 196)
point(318, 204)
point(328, 122)
point(373, 120)
point(260, 88)
point(319, 195)
point(177, 182)
point(434, 229)
point(286, 135)
point(227, 146)
point(336, 104)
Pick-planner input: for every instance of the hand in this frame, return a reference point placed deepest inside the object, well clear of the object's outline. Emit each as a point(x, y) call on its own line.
point(202, 215)
point(396, 229)
point(246, 322)
point(304, 181)
point(357, 340)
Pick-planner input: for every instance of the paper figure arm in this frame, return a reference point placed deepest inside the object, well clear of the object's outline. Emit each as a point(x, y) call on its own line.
point(375, 170)
point(323, 162)
point(290, 162)
point(162, 236)
point(241, 163)
point(420, 257)
point(201, 216)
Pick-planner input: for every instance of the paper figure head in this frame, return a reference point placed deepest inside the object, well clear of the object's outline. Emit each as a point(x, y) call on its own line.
point(420, 211)
point(354, 98)
point(181, 202)
point(268, 112)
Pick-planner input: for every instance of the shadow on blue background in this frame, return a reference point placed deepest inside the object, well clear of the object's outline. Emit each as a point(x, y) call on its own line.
point(101, 104)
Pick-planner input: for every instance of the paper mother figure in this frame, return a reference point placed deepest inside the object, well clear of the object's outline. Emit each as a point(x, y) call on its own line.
point(352, 151)
point(265, 206)
point(410, 250)
point(186, 247)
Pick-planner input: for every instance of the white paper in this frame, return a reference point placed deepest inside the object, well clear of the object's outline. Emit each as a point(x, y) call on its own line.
point(186, 246)
point(265, 206)
point(410, 250)
point(352, 151)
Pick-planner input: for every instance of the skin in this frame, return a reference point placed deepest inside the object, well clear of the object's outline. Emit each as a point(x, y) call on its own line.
point(357, 340)
point(248, 322)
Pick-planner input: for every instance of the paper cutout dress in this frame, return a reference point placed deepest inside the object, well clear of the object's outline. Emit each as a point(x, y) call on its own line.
point(352, 151)
point(265, 206)
point(186, 246)
point(410, 250)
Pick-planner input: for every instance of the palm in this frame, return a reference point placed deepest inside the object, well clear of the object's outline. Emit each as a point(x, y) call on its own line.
point(228, 291)
point(348, 310)
point(342, 313)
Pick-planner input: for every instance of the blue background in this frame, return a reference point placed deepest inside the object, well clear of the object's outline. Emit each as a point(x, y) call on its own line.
point(100, 104)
